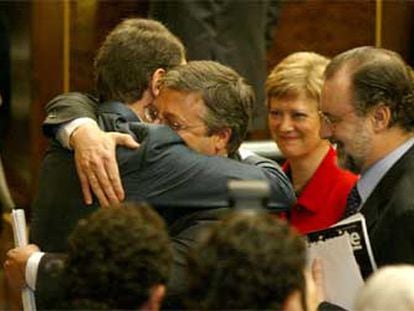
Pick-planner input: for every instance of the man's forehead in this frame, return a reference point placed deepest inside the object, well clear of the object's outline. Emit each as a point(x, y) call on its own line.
point(336, 90)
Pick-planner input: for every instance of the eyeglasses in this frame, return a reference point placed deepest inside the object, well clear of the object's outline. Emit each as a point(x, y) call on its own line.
point(330, 119)
point(152, 115)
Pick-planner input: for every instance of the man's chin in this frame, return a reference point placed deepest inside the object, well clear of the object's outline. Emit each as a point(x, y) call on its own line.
point(347, 162)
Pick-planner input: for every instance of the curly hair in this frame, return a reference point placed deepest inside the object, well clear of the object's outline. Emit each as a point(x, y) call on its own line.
point(246, 262)
point(227, 96)
point(129, 56)
point(378, 76)
point(116, 256)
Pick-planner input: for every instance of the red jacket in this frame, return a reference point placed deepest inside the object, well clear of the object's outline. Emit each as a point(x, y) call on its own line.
point(323, 200)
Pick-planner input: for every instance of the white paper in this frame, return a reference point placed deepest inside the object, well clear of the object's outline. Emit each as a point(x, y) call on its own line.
point(342, 277)
point(20, 239)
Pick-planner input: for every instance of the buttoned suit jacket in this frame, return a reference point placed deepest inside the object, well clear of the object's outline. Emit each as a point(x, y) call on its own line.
point(389, 213)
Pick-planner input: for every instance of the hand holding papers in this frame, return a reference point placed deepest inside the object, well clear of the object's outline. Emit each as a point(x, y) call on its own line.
point(346, 256)
point(20, 239)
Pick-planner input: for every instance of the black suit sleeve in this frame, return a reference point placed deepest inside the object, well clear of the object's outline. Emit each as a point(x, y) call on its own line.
point(401, 246)
point(50, 282)
point(327, 306)
point(67, 107)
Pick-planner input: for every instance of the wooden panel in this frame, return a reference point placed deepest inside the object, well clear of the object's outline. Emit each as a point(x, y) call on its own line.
point(90, 23)
point(398, 28)
point(47, 70)
point(323, 26)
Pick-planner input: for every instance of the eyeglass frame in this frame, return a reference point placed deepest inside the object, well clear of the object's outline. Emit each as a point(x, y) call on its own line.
point(331, 120)
point(152, 114)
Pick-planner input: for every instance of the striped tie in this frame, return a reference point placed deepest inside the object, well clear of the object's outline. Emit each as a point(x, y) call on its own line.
point(352, 203)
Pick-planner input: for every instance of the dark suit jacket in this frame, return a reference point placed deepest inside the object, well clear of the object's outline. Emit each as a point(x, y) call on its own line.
point(163, 171)
point(389, 213)
point(188, 189)
point(234, 33)
point(50, 282)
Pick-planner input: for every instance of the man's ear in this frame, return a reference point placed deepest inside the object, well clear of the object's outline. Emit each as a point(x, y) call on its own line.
point(155, 299)
point(381, 117)
point(155, 81)
point(222, 139)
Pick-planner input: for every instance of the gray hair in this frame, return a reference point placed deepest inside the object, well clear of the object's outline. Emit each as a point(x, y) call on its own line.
point(390, 288)
point(226, 95)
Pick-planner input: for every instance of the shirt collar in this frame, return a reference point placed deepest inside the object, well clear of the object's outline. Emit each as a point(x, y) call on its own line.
point(370, 179)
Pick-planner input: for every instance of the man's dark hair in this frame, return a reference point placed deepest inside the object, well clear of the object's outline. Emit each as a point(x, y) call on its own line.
point(116, 256)
point(130, 55)
point(246, 262)
point(378, 77)
point(227, 96)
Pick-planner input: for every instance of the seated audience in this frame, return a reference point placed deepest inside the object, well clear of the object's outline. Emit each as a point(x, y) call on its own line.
point(118, 258)
point(293, 91)
point(251, 261)
point(390, 288)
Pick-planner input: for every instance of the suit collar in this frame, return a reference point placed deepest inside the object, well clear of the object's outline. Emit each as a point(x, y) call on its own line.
point(383, 192)
point(119, 108)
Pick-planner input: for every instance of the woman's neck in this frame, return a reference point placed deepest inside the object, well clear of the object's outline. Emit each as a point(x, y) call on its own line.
point(303, 168)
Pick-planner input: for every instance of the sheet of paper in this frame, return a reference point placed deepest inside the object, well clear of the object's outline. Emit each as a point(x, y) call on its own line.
point(20, 239)
point(342, 277)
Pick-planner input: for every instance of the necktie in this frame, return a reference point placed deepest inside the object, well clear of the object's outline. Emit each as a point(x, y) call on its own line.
point(353, 202)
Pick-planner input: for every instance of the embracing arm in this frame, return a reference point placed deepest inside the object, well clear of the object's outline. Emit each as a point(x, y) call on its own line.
point(68, 107)
point(94, 149)
point(281, 186)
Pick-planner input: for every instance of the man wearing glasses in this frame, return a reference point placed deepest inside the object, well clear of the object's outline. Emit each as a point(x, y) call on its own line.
point(368, 111)
point(189, 189)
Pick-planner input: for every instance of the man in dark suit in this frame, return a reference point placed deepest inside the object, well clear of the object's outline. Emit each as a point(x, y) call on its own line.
point(367, 105)
point(188, 189)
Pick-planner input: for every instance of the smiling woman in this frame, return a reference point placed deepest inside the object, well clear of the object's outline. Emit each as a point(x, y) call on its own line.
point(293, 91)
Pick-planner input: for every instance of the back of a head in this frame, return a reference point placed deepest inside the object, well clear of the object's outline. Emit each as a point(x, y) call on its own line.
point(227, 96)
point(390, 288)
point(116, 256)
point(300, 73)
point(378, 77)
point(248, 261)
point(129, 56)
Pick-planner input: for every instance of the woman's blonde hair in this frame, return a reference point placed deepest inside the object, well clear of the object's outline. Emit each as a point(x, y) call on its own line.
point(299, 73)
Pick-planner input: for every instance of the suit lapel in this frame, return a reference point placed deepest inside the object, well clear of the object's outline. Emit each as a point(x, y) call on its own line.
point(383, 192)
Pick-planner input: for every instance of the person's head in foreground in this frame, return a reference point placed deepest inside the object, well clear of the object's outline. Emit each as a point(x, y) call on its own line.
point(119, 258)
point(390, 288)
point(251, 261)
point(367, 105)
